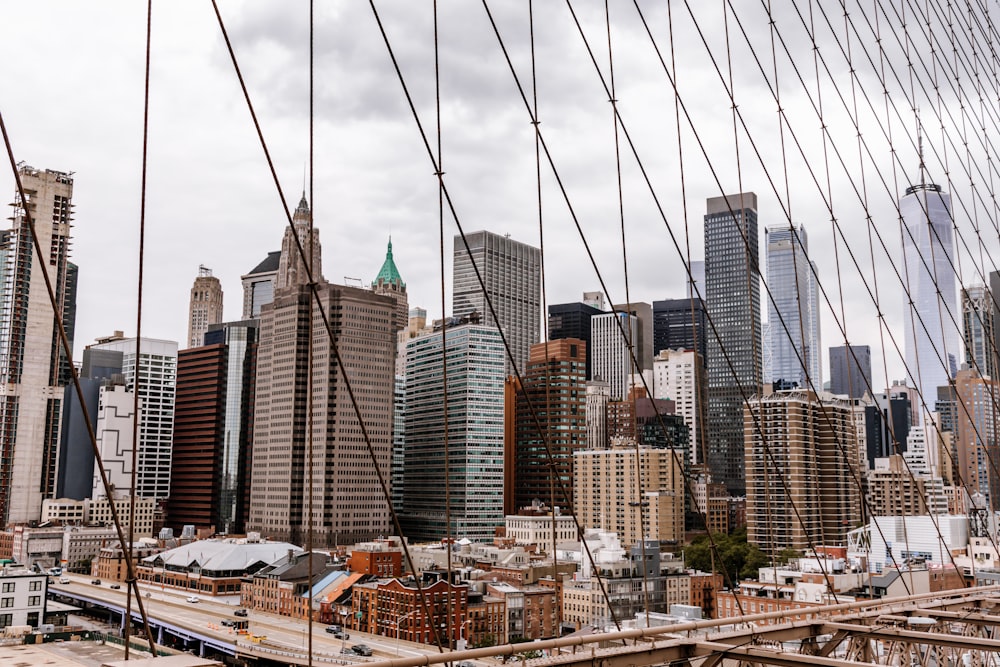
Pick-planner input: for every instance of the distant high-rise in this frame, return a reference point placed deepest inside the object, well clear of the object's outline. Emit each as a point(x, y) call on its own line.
point(258, 285)
point(791, 310)
point(680, 324)
point(205, 308)
point(850, 370)
point(347, 500)
point(732, 287)
point(977, 434)
point(155, 363)
point(680, 376)
point(642, 346)
point(511, 274)
point(33, 365)
point(610, 359)
point(978, 327)
point(474, 407)
point(817, 501)
point(932, 339)
point(389, 283)
point(213, 430)
point(555, 386)
point(572, 320)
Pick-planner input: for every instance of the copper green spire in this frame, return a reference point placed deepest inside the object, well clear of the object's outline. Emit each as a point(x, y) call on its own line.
point(389, 274)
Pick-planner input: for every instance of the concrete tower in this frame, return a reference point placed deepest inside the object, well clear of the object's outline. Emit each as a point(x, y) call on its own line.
point(347, 501)
point(511, 273)
point(206, 306)
point(33, 367)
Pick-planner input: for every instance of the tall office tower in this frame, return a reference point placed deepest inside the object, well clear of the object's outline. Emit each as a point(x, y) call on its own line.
point(813, 498)
point(398, 481)
point(74, 476)
point(389, 283)
point(258, 285)
point(347, 499)
point(609, 496)
point(978, 327)
point(850, 370)
point(33, 366)
point(791, 310)
point(698, 278)
point(511, 273)
point(598, 397)
point(156, 361)
point(572, 320)
point(680, 324)
point(643, 312)
point(977, 440)
point(551, 418)
point(206, 306)
point(473, 411)
point(113, 431)
point(610, 358)
point(213, 430)
point(732, 288)
point(933, 341)
point(680, 376)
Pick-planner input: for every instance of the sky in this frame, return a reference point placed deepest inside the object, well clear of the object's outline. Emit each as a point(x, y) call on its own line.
point(73, 80)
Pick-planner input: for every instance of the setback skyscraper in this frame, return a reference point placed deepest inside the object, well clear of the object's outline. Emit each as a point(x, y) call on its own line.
point(732, 287)
point(978, 327)
point(206, 306)
point(511, 274)
point(932, 340)
point(850, 370)
point(33, 366)
point(347, 500)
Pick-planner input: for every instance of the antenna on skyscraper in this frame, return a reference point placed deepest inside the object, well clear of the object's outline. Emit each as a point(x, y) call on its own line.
point(920, 147)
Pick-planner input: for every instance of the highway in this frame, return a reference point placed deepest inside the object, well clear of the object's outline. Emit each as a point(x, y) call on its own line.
point(205, 617)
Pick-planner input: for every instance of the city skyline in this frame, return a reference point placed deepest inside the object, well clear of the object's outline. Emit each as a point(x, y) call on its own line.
point(363, 183)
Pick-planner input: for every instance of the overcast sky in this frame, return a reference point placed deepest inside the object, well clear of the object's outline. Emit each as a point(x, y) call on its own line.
point(72, 100)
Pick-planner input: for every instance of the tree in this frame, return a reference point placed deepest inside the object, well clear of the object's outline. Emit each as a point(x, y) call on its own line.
point(736, 558)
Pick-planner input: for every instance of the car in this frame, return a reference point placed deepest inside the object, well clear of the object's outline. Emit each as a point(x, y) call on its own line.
point(227, 623)
point(63, 580)
point(340, 634)
point(194, 599)
point(96, 582)
point(361, 649)
point(240, 612)
point(334, 629)
point(116, 586)
point(347, 651)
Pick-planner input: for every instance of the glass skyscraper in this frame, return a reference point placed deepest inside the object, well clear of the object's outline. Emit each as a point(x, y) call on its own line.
point(792, 310)
point(933, 341)
point(472, 414)
point(732, 288)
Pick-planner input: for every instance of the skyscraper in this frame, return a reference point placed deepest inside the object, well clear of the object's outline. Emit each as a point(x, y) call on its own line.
point(258, 285)
point(978, 327)
point(555, 385)
point(816, 500)
point(347, 500)
point(572, 320)
point(474, 409)
point(33, 365)
point(213, 430)
point(850, 370)
point(791, 310)
point(155, 363)
point(610, 359)
point(732, 287)
point(511, 274)
point(389, 283)
point(205, 308)
point(932, 340)
point(679, 324)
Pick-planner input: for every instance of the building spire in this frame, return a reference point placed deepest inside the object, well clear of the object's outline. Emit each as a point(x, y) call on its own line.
point(389, 274)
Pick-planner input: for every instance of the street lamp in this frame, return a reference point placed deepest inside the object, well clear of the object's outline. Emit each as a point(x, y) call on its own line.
point(399, 620)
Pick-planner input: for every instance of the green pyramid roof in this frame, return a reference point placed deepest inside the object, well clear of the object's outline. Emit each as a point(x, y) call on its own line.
point(389, 273)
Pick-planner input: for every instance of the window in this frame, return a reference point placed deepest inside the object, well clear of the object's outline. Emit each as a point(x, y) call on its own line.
point(6, 619)
point(8, 587)
point(6, 602)
point(35, 586)
point(34, 600)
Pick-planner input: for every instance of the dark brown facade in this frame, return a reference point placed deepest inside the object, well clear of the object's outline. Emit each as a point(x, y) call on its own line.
point(198, 424)
point(554, 394)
